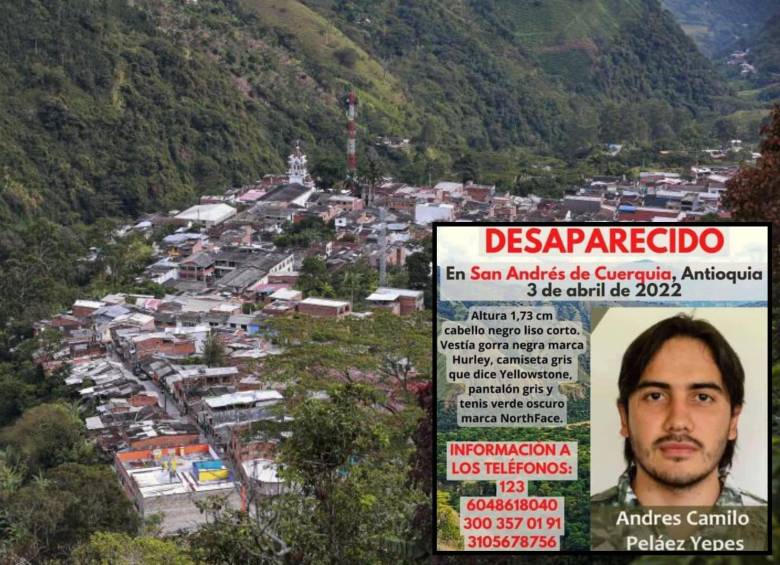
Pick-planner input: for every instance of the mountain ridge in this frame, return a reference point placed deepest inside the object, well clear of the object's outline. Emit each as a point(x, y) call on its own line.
point(765, 54)
point(158, 102)
point(718, 26)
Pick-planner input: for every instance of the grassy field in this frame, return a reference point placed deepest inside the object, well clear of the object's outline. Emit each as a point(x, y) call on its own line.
point(742, 118)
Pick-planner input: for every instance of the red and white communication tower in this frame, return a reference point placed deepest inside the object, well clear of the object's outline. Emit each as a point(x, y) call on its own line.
point(352, 102)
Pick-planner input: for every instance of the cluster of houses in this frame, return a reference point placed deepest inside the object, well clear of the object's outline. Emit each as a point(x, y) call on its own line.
point(165, 417)
point(655, 196)
point(740, 59)
point(180, 431)
point(225, 243)
point(727, 151)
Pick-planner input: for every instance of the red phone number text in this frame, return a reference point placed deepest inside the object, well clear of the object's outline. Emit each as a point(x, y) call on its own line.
point(511, 542)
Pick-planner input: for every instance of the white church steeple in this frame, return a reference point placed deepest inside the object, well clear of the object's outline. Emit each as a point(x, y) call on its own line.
point(297, 161)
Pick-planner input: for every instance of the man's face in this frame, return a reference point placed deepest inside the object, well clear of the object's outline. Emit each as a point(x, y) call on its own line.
point(679, 418)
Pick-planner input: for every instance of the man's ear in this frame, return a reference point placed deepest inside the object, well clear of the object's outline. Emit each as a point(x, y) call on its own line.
point(623, 419)
point(735, 412)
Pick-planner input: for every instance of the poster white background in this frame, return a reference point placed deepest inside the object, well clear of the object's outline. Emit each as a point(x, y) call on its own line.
point(744, 328)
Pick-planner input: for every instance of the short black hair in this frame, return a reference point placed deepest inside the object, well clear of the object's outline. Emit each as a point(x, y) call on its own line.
point(642, 350)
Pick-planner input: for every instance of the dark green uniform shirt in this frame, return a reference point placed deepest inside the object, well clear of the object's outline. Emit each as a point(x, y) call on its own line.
point(623, 495)
point(608, 533)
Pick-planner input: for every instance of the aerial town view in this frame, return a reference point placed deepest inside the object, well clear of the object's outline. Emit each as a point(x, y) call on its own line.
point(216, 243)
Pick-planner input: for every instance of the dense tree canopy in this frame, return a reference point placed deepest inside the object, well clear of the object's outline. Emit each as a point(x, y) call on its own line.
point(387, 351)
point(121, 549)
point(62, 508)
point(352, 503)
point(754, 194)
point(304, 233)
point(46, 436)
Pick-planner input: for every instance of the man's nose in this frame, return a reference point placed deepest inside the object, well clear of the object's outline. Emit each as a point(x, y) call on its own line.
point(678, 416)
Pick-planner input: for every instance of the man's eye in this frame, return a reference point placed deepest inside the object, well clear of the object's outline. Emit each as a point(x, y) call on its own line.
point(654, 396)
point(704, 398)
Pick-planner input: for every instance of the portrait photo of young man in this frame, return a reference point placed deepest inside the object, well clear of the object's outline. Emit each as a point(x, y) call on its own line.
point(681, 415)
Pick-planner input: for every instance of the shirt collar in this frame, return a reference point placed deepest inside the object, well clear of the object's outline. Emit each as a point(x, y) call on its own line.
point(729, 496)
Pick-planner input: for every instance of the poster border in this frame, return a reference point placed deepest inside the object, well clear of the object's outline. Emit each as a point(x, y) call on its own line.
point(434, 376)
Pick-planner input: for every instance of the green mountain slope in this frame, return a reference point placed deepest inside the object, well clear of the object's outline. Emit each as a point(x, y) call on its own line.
point(720, 25)
point(118, 106)
point(541, 71)
point(765, 52)
point(111, 108)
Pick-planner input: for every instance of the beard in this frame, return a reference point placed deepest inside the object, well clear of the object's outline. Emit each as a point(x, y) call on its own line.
point(676, 479)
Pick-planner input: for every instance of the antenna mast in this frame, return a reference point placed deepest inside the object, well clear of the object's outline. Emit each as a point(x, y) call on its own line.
point(352, 103)
point(382, 248)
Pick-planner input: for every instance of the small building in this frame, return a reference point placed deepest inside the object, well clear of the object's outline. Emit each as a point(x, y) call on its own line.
point(717, 183)
point(279, 308)
point(186, 378)
point(160, 434)
point(256, 440)
point(183, 244)
point(241, 280)
point(262, 477)
point(259, 292)
point(274, 213)
point(503, 208)
point(255, 271)
point(345, 203)
point(169, 481)
point(197, 267)
point(142, 322)
point(250, 196)
point(324, 307)
point(479, 192)
point(652, 177)
point(626, 213)
point(395, 255)
point(108, 313)
point(85, 308)
point(286, 294)
point(144, 345)
point(446, 190)
point(397, 300)
point(88, 345)
point(249, 323)
point(403, 199)
point(664, 199)
point(162, 271)
point(582, 204)
point(233, 408)
point(66, 323)
point(207, 214)
point(288, 277)
point(288, 195)
point(228, 260)
point(425, 213)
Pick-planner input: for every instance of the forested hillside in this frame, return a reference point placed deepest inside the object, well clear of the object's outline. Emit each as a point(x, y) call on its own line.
point(113, 107)
point(765, 53)
point(109, 108)
point(532, 73)
point(720, 25)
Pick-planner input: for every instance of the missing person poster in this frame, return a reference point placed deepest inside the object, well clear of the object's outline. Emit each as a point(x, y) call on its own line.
point(602, 387)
